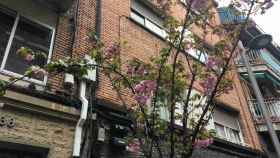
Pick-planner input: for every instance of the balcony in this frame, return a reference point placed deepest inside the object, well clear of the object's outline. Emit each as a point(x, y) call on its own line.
point(263, 64)
point(273, 107)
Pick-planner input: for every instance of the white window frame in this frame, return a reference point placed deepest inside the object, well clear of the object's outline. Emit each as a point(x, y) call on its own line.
point(8, 47)
point(226, 128)
point(163, 34)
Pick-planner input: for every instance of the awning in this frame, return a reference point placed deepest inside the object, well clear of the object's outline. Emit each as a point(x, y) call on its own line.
point(262, 75)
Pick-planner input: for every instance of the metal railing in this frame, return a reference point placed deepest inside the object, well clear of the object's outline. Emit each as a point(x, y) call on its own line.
point(254, 58)
point(261, 57)
point(273, 107)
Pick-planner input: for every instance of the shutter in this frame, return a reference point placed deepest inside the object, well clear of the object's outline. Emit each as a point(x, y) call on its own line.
point(225, 118)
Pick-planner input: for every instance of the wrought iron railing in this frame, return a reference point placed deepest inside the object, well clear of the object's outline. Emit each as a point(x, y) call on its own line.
point(273, 107)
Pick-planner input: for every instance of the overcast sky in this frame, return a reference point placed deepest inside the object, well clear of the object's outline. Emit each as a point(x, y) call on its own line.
point(270, 22)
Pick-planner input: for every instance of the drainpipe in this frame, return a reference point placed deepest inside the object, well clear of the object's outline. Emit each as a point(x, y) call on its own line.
point(98, 18)
point(82, 96)
point(83, 117)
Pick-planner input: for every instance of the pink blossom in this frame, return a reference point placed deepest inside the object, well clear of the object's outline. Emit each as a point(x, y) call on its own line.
point(150, 85)
point(29, 57)
point(141, 99)
point(139, 88)
point(213, 61)
point(208, 84)
point(111, 50)
point(133, 146)
point(203, 143)
point(143, 90)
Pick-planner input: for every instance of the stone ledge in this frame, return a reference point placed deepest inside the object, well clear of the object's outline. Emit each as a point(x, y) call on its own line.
point(36, 105)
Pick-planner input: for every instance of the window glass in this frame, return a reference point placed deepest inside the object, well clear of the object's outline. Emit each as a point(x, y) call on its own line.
point(164, 113)
point(153, 27)
point(6, 25)
point(233, 135)
point(137, 17)
point(197, 54)
point(32, 35)
point(148, 18)
point(220, 131)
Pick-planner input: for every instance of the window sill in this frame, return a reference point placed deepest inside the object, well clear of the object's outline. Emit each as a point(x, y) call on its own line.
point(147, 29)
point(228, 140)
point(7, 75)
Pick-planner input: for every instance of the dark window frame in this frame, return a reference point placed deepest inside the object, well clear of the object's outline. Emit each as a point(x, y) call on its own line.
point(23, 149)
point(6, 53)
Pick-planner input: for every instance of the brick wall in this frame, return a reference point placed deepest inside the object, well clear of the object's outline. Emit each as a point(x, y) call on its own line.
point(142, 44)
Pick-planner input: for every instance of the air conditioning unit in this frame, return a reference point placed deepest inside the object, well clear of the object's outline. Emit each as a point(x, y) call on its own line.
point(91, 75)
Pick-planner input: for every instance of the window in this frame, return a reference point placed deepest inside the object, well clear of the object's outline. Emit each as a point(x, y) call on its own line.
point(17, 31)
point(147, 18)
point(193, 109)
point(137, 17)
point(199, 55)
point(227, 126)
point(228, 133)
point(14, 150)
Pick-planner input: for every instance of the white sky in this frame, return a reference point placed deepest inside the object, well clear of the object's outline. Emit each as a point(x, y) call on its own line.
point(270, 22)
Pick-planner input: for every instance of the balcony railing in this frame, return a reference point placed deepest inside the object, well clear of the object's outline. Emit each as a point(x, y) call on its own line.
point(273, 107)
point(254, 57)
point(261, 57)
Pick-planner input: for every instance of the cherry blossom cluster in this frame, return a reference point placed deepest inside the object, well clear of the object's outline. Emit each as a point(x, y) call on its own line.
point(111, 50)
point(203, 143)
point(212, 62)
point(208, 84)
point(144, 91)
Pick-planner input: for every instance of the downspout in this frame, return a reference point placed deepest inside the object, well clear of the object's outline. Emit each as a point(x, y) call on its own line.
point(83, 117)
point(82, 94)
point(98, 19)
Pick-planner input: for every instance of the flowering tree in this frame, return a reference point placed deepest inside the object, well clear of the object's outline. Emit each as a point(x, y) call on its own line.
point(168, 81)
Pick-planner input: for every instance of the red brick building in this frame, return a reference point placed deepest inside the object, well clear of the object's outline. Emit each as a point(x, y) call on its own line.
point(45, 113)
